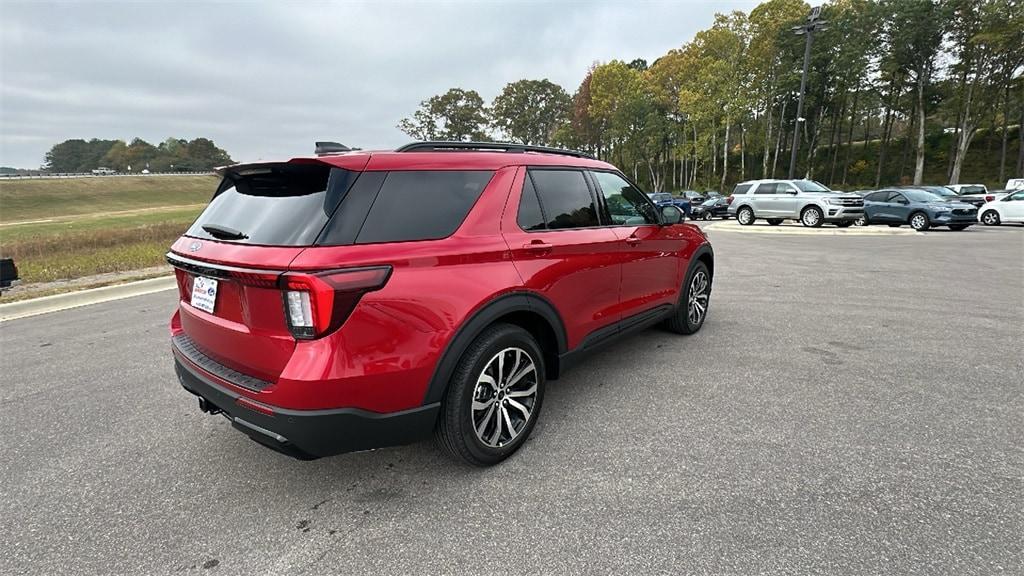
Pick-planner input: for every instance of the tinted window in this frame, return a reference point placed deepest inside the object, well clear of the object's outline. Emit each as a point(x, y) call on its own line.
point(279, 204)
point(767, 188)
point(972, 190)
point(876, 197)
point(624, 203)
point(565, 198)
point(530, 216)
point(1017, 196)
point(897, 198)
point(741, 188)
point(421, 205)
point(920, 196)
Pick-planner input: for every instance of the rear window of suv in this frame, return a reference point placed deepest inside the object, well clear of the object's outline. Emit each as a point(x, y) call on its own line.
point(741, 188)
point(279, 205)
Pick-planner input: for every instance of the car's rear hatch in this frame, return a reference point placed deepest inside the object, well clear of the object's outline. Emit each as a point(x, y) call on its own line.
point(261, 218)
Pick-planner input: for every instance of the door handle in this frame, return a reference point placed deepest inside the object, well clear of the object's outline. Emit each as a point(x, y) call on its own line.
point(537, 246)
point(632, 240)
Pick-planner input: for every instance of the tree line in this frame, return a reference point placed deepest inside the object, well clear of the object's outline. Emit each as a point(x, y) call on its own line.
point(898, 91)
point(171, 155)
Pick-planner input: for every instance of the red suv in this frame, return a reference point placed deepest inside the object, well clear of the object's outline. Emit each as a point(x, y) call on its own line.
point(364, 299)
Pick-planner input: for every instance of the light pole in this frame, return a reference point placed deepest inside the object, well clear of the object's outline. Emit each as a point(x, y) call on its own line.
point(814, 24)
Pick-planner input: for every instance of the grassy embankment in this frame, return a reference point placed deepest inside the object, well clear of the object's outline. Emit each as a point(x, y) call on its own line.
point(58, 229)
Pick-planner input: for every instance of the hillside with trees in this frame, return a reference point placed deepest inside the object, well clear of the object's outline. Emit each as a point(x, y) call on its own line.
point(171, 155)
point(898, 91)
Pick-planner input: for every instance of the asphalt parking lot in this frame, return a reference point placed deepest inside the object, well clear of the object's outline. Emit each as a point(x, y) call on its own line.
point(853, 405)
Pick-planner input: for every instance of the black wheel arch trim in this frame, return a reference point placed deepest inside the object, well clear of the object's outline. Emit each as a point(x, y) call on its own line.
point(519, 301)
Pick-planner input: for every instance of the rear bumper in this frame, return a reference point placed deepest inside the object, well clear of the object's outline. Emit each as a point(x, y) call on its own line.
point(308, 434)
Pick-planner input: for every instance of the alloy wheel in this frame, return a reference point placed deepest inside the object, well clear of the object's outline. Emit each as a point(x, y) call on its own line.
point(746, 216)
point(811, 217)
point(919, 221)
point(990, 218)
point(697, 304)
point(504, 397)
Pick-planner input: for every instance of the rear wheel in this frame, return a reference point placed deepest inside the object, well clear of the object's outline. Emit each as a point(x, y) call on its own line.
point(812, 217)
point(862, 221)
point(693, 302)
point(990, 218)
point(494, 397)
point(745, 216)
point(958, 227)
point(775, 221)
point(919, 221)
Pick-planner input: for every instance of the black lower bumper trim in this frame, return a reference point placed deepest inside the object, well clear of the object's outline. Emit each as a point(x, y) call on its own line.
point(309, 434)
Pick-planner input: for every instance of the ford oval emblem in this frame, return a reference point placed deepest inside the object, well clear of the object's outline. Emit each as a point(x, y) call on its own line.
point(195, 246)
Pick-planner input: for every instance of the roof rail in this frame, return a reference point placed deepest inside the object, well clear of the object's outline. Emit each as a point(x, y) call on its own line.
point(445, 146)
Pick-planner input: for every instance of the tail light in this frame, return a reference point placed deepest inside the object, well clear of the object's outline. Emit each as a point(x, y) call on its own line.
point(728, 200)
point(318, 303)
point(990, 198)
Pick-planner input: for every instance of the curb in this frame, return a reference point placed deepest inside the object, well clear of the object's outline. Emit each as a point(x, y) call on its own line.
point(58, 302)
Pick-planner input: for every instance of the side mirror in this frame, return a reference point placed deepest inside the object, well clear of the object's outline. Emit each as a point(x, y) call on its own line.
point(671, 215)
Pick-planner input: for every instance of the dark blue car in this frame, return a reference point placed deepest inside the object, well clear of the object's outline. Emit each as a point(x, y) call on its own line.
point(919, 208)
point(666, 199)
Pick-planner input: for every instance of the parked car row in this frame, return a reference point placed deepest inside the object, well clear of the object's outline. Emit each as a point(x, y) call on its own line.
point(814, 204)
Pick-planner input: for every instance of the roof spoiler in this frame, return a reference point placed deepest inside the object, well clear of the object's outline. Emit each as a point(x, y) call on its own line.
point(325, 148)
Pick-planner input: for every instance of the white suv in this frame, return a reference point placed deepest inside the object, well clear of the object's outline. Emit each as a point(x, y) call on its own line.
point(808, 201)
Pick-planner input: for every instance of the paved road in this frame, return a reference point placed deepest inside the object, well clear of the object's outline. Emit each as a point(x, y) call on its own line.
point(853, 405)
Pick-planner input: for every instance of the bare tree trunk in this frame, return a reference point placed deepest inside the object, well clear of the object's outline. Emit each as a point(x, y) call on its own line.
point(778, 140)
point(1002, 150)
point(714, 151)
point(966, 133)
point(849, 134)
point(743, 153)
point(1020, 135)
point(767, 138)
point(833, 144)
point(919, 161)
point(725, 155)
point(812, 150)
point(956, 128)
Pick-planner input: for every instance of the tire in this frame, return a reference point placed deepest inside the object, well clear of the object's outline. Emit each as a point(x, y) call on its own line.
point(862, 221)
point(990, 218)
point(812, 217)
point(745, 216)
point(469, 430)
point(958, 227)
point(844, 224)
point(895, 225)
point(694, 299)
point(775, 221)
point(707, 216)
point(919, 221)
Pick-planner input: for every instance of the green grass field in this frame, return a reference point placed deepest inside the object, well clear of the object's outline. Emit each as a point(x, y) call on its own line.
point(59, 229)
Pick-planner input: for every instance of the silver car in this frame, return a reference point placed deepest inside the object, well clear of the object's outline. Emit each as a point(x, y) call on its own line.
point(808, 201)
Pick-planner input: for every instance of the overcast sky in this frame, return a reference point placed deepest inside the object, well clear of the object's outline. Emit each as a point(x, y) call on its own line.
point(266, 80)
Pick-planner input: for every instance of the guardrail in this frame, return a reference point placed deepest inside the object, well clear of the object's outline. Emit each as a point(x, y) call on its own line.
point(90, 175)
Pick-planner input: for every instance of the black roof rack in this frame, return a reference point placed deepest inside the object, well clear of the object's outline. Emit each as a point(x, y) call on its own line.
point(444, 146)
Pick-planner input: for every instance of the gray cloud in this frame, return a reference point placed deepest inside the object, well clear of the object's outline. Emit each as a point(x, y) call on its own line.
point(266, 80)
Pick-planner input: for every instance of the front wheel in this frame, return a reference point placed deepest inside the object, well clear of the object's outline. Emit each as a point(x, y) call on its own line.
point(494, 397)
point(693, 302)
point(862, 221)
point(745, 216)
point(707, 216)
point(919, 221)
point(990, 218)
point(812, 217)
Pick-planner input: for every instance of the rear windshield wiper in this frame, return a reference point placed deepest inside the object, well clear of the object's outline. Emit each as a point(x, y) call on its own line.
point(223, 232)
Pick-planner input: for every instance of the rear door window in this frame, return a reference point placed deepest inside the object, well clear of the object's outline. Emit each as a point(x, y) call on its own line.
point(565, 198)
point(421, 205)
point(741, 188)
point(767, 188)
point(530, 215)
point(279, 204)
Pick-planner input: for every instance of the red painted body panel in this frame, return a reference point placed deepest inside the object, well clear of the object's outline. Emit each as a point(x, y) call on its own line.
point(384, 355)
